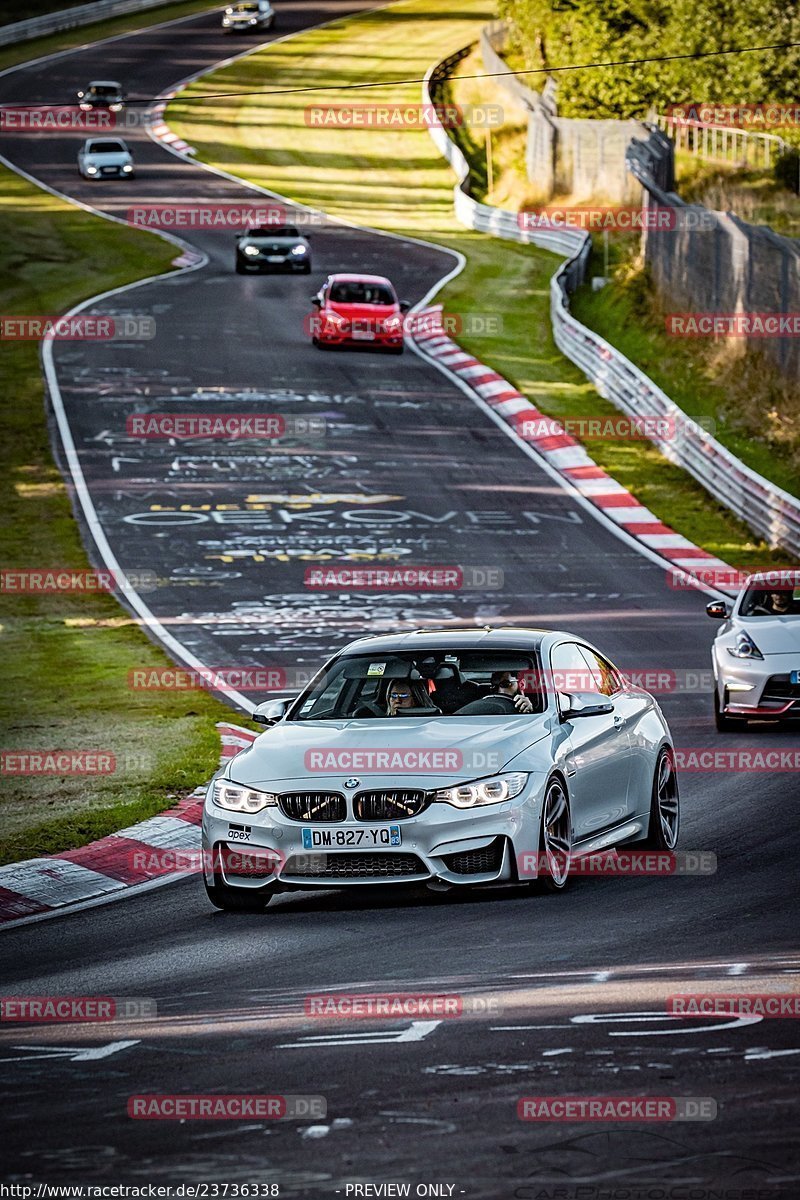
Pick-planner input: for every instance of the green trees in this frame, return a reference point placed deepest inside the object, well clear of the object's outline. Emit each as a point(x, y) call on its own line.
point(554, 33)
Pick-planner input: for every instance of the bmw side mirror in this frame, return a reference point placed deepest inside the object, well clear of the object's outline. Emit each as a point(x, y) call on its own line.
point(583, 704)
point(271, 711)
point(717, 609)
point(405, 305)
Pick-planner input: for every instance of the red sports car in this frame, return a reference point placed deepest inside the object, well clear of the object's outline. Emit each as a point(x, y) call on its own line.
point(358, 309)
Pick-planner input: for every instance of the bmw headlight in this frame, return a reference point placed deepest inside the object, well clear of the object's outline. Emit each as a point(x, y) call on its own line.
point(91, 170)
point(115, 107)
point(128, 168)
point(393, 323)
point(745, 647)
point(298, 250)
point(483, 791)
point(241, 799)
point(335, 320)
point(251, 250)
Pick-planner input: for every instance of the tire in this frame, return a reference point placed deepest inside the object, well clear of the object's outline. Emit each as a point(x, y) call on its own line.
point(396, 350)
point(665, 808)
point(237, 899)
point(555, 839)
point(239, 269)
point(314, 340)
point(306, 269)
point(724, 724)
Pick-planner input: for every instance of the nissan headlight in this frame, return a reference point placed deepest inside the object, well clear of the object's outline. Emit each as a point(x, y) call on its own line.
point(251, 250)
point(241, 799)
point(483, 791)
point(745, 647)
point(392, 323)
point(128, 168)
point(91, 170)
point(115, 107)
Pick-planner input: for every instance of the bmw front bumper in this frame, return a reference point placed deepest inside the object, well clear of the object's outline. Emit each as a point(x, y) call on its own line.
point(455, 846)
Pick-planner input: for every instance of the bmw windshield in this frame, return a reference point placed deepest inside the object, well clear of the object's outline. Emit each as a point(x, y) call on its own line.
point(446, 683)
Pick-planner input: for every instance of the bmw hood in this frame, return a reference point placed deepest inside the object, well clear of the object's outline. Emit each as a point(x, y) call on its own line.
point(431, 752)
point(773, 635)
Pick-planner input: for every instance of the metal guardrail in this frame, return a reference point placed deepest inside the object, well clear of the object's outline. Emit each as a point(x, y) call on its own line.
point(721, 143)
point(769, 510)
point(72, 18)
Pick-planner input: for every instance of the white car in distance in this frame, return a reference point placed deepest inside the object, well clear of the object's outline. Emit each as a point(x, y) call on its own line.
point(105, 158)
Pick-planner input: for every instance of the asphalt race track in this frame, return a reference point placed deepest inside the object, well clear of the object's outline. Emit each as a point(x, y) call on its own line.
point(410, 469)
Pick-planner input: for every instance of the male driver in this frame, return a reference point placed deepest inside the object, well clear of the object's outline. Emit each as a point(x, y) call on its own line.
point(505, 698)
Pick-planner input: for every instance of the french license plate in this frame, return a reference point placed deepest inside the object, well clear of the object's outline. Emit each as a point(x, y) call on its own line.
point(366, 839)
point(275, 258)
point(794, 677)
point(363, 335)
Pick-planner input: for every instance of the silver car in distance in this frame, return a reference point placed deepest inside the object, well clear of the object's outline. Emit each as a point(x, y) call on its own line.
point(486, 756)
point(756, 653)
point(105, 158)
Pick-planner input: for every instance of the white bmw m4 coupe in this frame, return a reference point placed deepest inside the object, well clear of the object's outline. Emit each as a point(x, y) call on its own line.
point(452, 758)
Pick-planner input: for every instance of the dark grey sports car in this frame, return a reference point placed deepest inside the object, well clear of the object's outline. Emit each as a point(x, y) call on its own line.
point(273, 248)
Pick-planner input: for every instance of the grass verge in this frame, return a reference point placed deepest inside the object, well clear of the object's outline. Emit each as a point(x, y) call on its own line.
point(396, 180)
point(67, 656)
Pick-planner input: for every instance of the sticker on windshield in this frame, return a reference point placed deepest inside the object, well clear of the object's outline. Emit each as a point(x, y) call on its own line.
point(308, 704)
point(376, 669)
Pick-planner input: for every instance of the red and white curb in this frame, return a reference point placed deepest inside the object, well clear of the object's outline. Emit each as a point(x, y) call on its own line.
point(161, 131)
point(562, 452)
point(113, 863)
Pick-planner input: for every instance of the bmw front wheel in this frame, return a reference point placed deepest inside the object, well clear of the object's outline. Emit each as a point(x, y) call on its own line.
point(555, 843)
point(665, 809)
